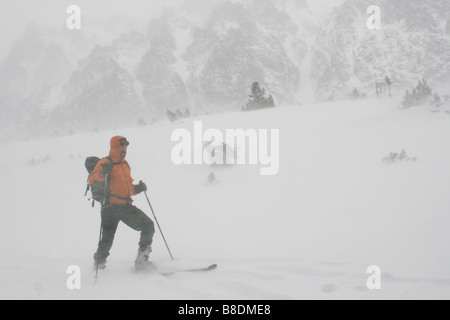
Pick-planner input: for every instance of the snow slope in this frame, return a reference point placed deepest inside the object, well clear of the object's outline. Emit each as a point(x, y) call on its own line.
point(309, 232)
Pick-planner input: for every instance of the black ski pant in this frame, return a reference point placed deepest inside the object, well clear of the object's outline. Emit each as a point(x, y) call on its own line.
point(132, 217)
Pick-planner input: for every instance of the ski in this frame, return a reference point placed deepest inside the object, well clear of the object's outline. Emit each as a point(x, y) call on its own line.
point(168, 273)
point(155, 270)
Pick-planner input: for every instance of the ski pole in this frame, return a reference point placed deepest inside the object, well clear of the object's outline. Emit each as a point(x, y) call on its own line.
point(151, 208)
point(96, 258)
point(101, 226)
point(106, 192)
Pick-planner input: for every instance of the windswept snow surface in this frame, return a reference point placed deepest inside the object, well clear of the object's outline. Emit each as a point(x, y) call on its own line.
point(309, 232)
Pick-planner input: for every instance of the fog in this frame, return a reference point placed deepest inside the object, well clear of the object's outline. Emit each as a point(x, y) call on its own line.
point(203, 55)
point(16, 15)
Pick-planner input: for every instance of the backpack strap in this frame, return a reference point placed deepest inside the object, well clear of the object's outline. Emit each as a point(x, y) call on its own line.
point(87, 187)
point(110, 160)
point(108, 194)
point(117, 163)
point(107, 191)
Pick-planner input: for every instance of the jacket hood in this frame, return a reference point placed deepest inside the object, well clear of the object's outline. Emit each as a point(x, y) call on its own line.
point(116, 152)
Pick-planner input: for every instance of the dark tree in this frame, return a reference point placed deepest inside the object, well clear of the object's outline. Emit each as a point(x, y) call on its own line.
point(257, 99)
point(388, 83)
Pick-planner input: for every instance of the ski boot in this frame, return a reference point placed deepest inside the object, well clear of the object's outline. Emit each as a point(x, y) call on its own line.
point(142, 264)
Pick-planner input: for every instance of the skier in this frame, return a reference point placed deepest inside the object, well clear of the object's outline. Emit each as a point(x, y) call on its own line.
point(115, 173)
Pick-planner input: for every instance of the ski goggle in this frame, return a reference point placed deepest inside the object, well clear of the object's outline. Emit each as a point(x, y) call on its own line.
point(124, 142)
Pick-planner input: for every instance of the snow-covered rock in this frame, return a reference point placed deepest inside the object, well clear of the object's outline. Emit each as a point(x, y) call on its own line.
point(100, 94)
point(411, 44)
point(204, 55)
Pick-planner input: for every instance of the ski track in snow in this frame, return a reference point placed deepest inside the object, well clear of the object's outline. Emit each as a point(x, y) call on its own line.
point(308, 233)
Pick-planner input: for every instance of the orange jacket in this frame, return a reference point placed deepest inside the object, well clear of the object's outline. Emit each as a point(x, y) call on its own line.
point(120, 181)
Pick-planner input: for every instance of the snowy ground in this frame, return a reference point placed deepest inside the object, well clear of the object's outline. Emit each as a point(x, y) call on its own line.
point(309, 232)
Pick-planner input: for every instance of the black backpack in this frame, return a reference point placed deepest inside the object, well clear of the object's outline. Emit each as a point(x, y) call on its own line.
point(98, 187)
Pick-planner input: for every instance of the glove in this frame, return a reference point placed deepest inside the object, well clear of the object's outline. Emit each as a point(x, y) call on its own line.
point(107, 168)
point(141, 187)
